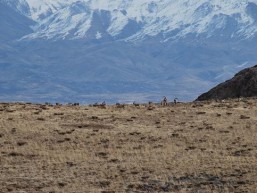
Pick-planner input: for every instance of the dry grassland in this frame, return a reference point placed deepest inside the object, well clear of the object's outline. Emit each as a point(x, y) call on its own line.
point(192, 147)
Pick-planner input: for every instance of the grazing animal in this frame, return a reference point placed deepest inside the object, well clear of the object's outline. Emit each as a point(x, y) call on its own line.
point(135, 104)
point(151, 106)
point(164, 102)
point(175, 101)
point(121, 106)
point(95, 105)
point(103, 105)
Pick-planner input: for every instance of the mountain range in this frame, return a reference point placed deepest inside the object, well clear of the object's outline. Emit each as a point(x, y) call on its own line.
point(123, 51)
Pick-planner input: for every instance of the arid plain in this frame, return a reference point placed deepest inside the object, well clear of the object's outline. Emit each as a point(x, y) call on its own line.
point(189, 147)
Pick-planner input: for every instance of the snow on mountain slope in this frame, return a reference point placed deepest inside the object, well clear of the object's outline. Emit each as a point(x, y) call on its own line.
point(135, 20)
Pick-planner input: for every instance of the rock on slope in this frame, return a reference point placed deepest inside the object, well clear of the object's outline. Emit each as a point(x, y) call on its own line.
point(243, 84)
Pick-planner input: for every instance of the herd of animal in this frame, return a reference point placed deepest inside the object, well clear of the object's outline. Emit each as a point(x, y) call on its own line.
point(164, 102)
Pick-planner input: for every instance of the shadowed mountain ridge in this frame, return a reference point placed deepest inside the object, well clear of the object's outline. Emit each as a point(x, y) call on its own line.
point(243, 84)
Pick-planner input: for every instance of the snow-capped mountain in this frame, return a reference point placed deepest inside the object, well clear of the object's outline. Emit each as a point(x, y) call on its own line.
point(122, 49)
point(133, 20)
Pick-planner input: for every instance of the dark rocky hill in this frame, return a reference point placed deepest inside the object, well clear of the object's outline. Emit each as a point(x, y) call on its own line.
point(243, 84)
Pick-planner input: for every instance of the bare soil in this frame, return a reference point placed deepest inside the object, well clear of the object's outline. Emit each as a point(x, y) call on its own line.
point(192, 147)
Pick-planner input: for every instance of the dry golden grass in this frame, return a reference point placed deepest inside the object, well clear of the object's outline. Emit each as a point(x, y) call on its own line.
point(192, 147)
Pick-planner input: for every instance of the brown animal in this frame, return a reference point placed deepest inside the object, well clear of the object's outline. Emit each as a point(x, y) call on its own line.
point(120, 106)
point(164, 102)
point(135, 104)
point(95, 105)
point(103, 105)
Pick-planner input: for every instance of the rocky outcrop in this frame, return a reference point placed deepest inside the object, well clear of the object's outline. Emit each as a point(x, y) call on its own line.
point(243, 84)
